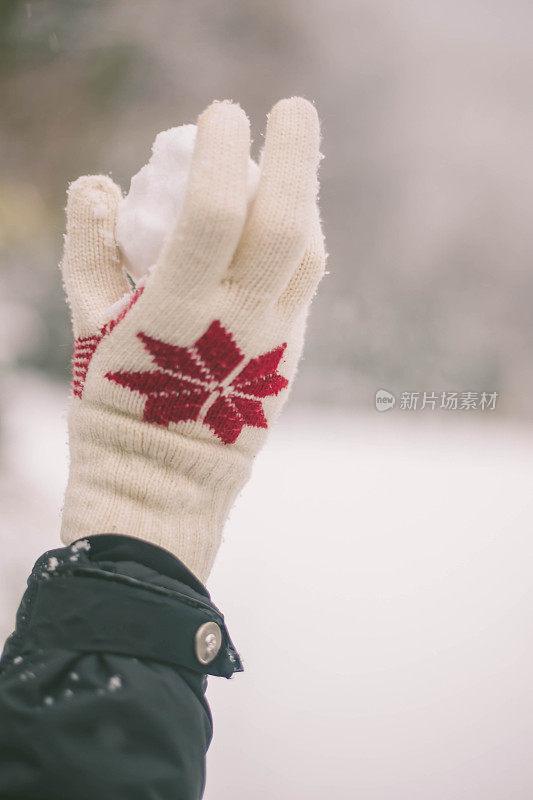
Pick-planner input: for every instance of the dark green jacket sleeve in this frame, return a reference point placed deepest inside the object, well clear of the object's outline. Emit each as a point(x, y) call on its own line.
point(102, 684)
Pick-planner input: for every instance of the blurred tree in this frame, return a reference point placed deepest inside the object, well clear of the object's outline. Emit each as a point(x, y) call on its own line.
point(425, 192)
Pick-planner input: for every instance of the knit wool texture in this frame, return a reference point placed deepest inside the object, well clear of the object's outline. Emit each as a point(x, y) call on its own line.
point(173, 397)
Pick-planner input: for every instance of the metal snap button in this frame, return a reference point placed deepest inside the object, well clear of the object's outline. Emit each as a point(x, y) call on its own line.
point(207, 642)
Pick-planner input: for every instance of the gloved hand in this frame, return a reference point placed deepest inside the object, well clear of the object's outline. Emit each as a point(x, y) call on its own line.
point(173, 397)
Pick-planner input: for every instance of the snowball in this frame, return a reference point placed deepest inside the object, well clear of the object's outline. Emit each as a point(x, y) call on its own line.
point(149, 212)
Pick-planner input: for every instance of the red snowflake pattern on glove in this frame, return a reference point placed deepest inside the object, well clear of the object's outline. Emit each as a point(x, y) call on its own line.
point(84, 346)
point(194, 383)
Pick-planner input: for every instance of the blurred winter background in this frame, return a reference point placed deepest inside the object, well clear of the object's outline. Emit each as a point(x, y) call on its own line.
point(377, 572)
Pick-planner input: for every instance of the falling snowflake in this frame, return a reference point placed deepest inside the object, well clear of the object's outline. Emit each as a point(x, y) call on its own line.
point(114, 683)
point(195, 383)
point(83, 544)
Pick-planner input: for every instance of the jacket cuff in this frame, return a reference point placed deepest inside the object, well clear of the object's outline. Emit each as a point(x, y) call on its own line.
point(116, 594)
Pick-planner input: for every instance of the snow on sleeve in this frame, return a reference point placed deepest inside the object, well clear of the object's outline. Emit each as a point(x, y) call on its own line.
point(150, 210)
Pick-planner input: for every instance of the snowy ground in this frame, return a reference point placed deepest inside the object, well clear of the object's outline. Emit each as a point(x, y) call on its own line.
point(377, 579)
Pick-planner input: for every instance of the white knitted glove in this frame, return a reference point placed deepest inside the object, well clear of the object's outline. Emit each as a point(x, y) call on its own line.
point(173, 397)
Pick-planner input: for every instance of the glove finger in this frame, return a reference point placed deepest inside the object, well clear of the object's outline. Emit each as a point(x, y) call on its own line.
point(206, 235)
point(279, 224)
point(303, 284)
point(92, 271)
